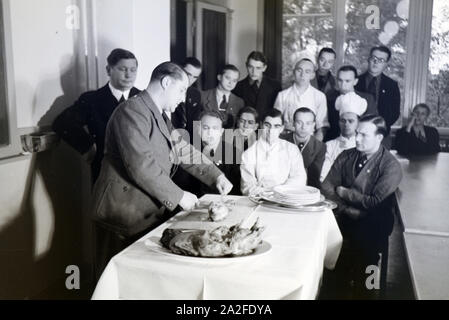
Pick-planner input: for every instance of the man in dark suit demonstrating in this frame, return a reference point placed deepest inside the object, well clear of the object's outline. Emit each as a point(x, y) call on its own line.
point(385, 90)
point(221, 99)
point(258, 91)
point(135, 192)
point(362, 181)
point(189, 111)
point(94, 108)
point(313, 151)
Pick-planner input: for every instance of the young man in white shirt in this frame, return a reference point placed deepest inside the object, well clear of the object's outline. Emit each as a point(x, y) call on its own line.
point(351, 107)
point(271, 161)
point(303, 95)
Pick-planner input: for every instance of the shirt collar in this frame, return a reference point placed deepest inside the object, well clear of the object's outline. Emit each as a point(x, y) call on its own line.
point(118, 93)
point(251, 82)
point(220, 95)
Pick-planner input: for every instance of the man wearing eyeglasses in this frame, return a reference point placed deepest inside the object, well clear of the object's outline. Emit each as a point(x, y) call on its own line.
point(384, 89)
point(189, 111)
point(271, 161)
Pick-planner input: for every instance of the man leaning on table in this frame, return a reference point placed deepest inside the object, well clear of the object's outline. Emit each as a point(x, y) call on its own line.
point(362, 181)
point(135, 192)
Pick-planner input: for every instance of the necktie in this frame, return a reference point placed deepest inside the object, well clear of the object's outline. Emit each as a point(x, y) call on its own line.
point(223, 105)
point(360, 164)
point(122, 99)
point(372, 87)
point(255, 87)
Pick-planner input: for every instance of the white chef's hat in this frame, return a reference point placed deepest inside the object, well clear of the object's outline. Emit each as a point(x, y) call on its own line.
point(302, 55)
point(351, 102)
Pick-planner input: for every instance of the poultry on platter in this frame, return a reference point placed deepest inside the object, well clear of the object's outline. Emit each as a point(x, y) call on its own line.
point(219, 242)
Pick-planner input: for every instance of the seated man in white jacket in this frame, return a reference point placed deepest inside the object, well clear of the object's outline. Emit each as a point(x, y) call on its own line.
point(350, 107)
point(270, 161)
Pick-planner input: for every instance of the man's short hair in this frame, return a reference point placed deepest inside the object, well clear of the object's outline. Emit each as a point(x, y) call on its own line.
point(211, 113)
point(119, 54)
point(378, 121)
point(328, 50)
point(349, 68)
point(304, 110)
point(383, 49)
point(274, 113)
point(250, 110)
point(258, 56)
point(194, 62)
point(228, 67)
point(424, 106)
point(170, 69)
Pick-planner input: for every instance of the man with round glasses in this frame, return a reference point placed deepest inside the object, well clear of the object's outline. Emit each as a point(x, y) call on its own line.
point(384, 90)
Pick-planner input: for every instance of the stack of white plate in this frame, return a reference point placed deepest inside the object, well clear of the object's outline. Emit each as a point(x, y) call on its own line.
point(295, 196)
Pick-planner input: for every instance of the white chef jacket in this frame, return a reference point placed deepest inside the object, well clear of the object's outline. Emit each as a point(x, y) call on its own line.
point(333, 149)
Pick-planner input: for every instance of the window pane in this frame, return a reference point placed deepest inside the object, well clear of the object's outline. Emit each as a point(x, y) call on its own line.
point(437, 85)
point(392, 33)
point(303, 32)
point(307, 6)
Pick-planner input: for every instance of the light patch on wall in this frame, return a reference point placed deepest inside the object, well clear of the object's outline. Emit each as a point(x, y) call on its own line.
point(44, 220)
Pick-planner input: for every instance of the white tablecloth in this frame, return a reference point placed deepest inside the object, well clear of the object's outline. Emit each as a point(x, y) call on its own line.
point(302, 243)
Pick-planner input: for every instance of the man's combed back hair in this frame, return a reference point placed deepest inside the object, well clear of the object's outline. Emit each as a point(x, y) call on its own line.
point(378, 121)
point(194, 62)
point(424, 106)
point(328, 50)
point(229, 67)
point(250, 110)
point(168, 69)
point(119, 54)
point(382, 49)
point(274, 113)
point(304, 110)
point(257, 56)
point(349, 68)
point(211, 113)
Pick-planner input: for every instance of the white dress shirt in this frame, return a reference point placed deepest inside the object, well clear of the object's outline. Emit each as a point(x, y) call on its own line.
point(289, 100)
point(265, 166)
point(333, 150)
point(117, 93)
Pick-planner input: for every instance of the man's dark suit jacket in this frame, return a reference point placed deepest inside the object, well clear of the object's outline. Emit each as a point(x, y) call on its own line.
point(225, 160)
point(371, 192)
point(389, 101)
point(209, 102)
point(313, 156)
point(408, 144)
point(266, 95)
point(135, 185)
point(188, 112)
point(330, 83)
point(334, 115)
point(92, 110)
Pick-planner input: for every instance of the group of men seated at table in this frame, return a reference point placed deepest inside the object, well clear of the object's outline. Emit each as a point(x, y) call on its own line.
point(248, 136)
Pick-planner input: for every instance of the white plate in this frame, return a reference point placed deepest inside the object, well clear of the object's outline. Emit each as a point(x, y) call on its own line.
point(291, 191)
point(319, 206)
point(154, 245)
point(289, 202)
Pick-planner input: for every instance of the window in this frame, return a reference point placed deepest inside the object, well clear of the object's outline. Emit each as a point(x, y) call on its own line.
point(351, 28)
point(9, 138)
point(438, 71)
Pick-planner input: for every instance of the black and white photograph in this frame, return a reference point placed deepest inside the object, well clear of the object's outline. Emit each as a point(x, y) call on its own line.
point(224, 154)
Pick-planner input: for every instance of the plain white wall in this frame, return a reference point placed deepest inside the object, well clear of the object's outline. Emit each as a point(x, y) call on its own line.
point(243, 32)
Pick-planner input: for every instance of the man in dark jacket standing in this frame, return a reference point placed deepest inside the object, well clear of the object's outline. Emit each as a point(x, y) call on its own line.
point(258, 91)
point(94, 108)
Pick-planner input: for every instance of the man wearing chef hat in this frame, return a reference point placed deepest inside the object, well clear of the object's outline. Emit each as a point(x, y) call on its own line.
point(350, 107)
point(303, 95)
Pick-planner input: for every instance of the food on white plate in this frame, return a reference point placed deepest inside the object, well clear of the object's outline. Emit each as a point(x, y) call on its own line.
point(219, 242)
point(218, 211)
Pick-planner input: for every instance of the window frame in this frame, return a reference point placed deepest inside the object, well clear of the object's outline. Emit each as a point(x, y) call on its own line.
point(13, 147)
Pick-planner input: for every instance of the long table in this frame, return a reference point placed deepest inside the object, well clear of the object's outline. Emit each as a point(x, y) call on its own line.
point(424, 209)
point(302, 243)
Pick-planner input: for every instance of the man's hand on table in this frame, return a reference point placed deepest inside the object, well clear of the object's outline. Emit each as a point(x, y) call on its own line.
point(188, 201)
point(223, 185)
